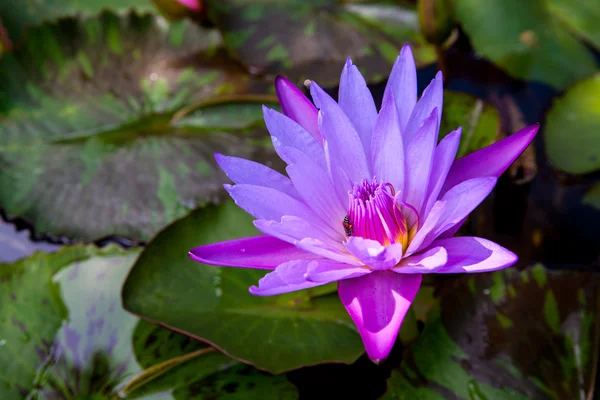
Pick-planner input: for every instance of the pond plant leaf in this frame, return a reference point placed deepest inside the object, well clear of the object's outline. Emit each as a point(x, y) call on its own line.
point(276, 333)
point(506, 335)
point(88, 147)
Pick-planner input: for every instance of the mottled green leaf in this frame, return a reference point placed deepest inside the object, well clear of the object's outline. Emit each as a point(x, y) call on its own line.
point(312, 39)
point(16, 15)
point(534, 340)
point(276, 333)
point(479, 120)
point(89, 144)
point(529, 38)
point(573, 128)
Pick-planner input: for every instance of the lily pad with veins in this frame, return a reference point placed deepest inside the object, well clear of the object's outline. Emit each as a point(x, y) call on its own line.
point(88, 142)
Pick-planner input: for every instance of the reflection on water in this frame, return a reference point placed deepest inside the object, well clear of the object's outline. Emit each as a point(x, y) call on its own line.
point(16, 245)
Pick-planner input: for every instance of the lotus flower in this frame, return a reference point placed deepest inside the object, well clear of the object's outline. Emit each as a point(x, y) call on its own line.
point(371, 199)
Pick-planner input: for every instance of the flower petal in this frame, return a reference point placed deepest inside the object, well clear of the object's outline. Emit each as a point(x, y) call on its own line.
point(287, 133)
point(345, 156)
point(324, 249)
point(423, 263)
point(473, 254)
point(419, 161)
point(357, 102)
point(371, 253)
point(387, 150)
point(432, 98)
point(287, 277)
point(454, 206)
point(262, 252)
point(317, 190)
point(492, 160)
point(328, 271)
point(293, 229)
point(445, 153)
point(242, 171)
point(402, 84)
point(298, 107)
point(270, 204)
point(377, 303)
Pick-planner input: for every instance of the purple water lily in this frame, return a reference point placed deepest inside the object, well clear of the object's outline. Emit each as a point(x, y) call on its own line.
point(371, 199)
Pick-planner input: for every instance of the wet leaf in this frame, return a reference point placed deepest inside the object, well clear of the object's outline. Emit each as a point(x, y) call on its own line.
point(312, 39)
point(275, 333)
point(87, 143)
point(63, 334)
point(16, 15)
point(529, 39)
point(479, 120)
point(573, 129)
point(505, 335)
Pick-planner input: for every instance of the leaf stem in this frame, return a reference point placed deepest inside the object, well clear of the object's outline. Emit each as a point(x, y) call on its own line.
point(250, 98)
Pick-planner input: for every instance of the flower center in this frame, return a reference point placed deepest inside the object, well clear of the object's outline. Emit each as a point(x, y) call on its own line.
point(375, 213)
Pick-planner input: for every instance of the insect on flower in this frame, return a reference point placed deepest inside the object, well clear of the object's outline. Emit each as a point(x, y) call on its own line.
point(400, 194)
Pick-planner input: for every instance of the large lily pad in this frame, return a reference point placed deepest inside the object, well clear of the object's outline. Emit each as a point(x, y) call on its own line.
point(63, 334)
point(88, 146)
point(573, 129)
point(276, 333)
point(16, 15)
point(506, 335)
point(529, 38)
point(312, 39)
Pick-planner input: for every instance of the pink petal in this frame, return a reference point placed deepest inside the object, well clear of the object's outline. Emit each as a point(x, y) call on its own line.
point(402, 84)
point(473, 254)
point(492, 160)
point(287, 277)
point(191, 4)
point(372, 254)
point(261, 252)
point(240, 170)
point(332, 271)
point(357, 102)
point(298, 107)
point(423, 263)
point(377, 303)
point(293, 229)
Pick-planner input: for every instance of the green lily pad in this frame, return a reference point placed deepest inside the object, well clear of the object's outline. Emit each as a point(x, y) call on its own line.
point(479, 120)
point(529, 38)
point(505, 335)
point(573, 129)
point(581, 18)
point(89, 146)
point(63, 334)
point(592, 197)
point(312, 39)
point(16, 15)
point(276, 333)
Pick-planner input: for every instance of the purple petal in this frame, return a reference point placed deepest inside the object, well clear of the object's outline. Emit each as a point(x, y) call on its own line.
point(270, 204)
point(249, 172)
point(345, 156)
point(432, 98)
point(402, 84)
point(324, 249)
point(457, 203)
point(492, 160)
point(332, 271)
point(419, 161)
point(423, 263)
point(442, 161)
point(287, 133)
point(473, 254)
point(387, 155)
point(287, 277)
point(357, 102)
point(298, 107)
point(377, 303)
point(293, 229)
point(317, 190)
point(262, 252)
point(371, 253)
